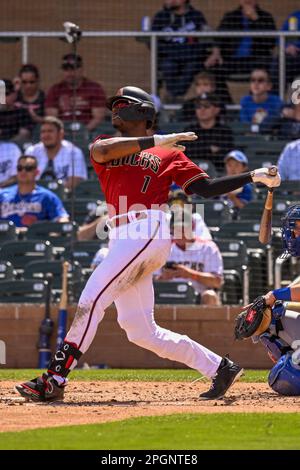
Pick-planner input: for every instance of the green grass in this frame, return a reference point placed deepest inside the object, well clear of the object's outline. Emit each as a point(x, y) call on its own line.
point(144, 375)
point(187, 431)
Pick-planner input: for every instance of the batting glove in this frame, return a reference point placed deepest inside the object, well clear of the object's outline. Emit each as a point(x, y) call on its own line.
point(262, 175)
point(170, 140)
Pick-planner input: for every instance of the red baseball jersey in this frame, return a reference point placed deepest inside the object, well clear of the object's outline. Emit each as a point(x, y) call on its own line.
point(144, 178)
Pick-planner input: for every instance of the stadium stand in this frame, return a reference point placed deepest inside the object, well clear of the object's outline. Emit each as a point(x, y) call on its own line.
point(22, 291)
point(117, 53)
point(20, 253)
point(175, 293)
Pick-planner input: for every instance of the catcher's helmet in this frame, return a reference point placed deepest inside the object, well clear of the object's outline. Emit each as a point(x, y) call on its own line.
point(284, 377)
point(139, 105)
point(291, 244)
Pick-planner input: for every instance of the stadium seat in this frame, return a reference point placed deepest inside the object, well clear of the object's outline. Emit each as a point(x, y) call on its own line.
point(38, 269)
point(240, 128)
point(231, 292)
point(77, 133)
point(19, 253)
point(89, 190)
point(175, 293)
point(58, 233)
point(22, 291)
point(215, 212)
point(254, 209)
point(75, 290)
point(235, 260)
point(83, 252)
point(7, 230)
point(82, 208)
point(259, 262)
point(207, 166)
point(6, 271)
point(56, 187)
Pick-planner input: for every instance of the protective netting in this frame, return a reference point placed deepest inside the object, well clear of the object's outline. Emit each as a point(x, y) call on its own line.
point(226, 70)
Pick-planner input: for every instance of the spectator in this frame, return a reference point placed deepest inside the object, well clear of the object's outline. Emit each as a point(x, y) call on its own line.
point(289, 162)
point(179, 57)
point(241, 55)
point(26, 202)
point(292, 50)
point(9, 154)
point(89, 105)
point(236, 163)
point(214, 139)
point(194, 260)
point(260, 104)
point(30, 96)
point(286, 125)
point(204, 82)
point(14, 122)
point(177, 201)
point(57, 158)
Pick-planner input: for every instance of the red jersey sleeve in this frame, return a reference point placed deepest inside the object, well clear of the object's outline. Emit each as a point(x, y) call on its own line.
point(52, 97)
point(184, 171)
point(98, 167)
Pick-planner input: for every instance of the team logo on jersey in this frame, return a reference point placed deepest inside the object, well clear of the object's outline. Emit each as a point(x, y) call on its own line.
point(143, 159)
point(5, 166)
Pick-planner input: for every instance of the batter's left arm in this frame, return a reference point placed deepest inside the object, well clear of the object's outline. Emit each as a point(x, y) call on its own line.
point(104, 151)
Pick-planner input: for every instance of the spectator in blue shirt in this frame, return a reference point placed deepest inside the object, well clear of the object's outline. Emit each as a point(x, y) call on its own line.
point(260, 103)
point(26, 202)
point(236, 163)
point(292, 50)
point(289, 162)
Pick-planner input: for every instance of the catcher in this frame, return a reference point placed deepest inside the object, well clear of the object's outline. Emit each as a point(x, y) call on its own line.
point(274, 319)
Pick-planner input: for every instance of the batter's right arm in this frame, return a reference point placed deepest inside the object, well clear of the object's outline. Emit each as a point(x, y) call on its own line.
point(106, 150)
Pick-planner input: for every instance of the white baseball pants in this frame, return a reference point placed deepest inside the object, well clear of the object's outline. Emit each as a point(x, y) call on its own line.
point(125, 277)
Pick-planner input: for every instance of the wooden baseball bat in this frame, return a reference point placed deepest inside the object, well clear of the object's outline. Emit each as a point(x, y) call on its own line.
point(63, 313)
point(265, 230)
point(46, 328)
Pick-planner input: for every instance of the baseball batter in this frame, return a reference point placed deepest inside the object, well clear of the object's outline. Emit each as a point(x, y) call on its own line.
point(135, 172)
point(274, 319)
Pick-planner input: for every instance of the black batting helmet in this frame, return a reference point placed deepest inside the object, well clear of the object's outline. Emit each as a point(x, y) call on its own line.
point(141, 106)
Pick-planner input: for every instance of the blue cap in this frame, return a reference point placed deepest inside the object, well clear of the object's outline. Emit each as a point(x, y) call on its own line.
point(238, 156)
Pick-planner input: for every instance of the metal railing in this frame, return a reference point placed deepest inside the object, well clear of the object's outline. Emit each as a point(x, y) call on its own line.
point(153, 40)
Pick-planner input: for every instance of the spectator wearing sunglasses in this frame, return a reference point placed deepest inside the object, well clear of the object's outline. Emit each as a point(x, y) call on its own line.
point(88, 102)
point(260, 104)
point(25, 202)
point(215, 140)
point(30, 96)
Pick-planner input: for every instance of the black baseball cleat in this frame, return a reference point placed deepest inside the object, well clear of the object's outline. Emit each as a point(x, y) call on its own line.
point(41, 389)
point(226, 375)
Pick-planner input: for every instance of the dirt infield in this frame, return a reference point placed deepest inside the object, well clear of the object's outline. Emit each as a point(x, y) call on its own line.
point(98, 402)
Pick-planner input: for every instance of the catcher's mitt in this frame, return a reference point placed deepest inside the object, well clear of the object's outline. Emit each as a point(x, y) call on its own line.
point(255, 320)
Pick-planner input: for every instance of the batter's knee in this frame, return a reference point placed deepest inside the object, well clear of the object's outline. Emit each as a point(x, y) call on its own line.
point(140, 337)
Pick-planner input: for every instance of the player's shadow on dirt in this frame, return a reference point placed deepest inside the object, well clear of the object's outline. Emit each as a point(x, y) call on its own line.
point(114, 402)
point(95, 403)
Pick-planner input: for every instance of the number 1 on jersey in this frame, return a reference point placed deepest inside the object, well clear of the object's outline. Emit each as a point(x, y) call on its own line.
point(147, 180)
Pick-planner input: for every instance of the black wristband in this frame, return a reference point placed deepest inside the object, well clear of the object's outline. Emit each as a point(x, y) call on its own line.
point(146, 142)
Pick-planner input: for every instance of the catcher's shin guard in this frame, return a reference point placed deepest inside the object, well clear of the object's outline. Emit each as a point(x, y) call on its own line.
point(63, 359)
